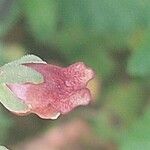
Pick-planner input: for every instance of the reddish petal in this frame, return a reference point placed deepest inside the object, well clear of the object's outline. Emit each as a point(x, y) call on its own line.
point(47, 113)
point(63, 89)
point(81, 97)
point(78, 75)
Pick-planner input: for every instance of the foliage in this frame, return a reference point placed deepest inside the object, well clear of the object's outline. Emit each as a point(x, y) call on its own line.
point(139, 62)
point(44, 28)
point(8, 16)
point(5, 124)
point(138, 136)
point(16, 72)
point(3, 148)
point(110, 36)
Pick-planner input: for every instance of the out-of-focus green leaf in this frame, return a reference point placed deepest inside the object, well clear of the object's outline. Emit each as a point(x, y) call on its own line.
point(145, 7)
point(138, 136)
point(114, 20)
point(5, 123)
point(9, 12)
point(79, 47)
point(41, 17)
point(74, 13)
point(10, 101)
point(10, 52)
point(3, 148)
point(71, 38)
point(139, 62)
point(116, 15)
point(110, 22)
point(97, 58)
point(13, 51)
point(102, 126)
point(102, 16)
point(124, 101)
point(122, 108)
point(2, 59)
point(138, 145)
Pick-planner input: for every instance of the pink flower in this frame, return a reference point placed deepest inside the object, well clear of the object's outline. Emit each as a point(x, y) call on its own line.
point(63, 89)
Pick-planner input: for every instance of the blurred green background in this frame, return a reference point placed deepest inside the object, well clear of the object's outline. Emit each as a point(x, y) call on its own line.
point(112, 37)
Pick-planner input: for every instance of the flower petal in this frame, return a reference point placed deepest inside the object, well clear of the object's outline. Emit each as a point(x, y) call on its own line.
point(63, 89)
point(81, 97)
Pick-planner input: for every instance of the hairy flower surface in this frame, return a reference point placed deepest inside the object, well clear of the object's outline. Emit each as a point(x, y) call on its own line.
point(62, 90)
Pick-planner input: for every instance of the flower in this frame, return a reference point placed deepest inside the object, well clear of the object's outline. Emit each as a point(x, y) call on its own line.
point(63, 89)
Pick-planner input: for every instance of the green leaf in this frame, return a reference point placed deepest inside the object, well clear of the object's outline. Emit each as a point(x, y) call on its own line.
point(102, 16)
point(97, 58)
point(136, 145)
point(10, 101)
point(9, 12)
point(138, 136)
point(139, 62)
point(15, 72)
point(19, 74)
point(41, 17)
point(94, 56)
point(3, 148)
point(26, 59)
point(5, 123)
point(124, 101)
point(102, 127)
point(112, 22)
point(2, 56)
point(74, 13)
point(122, 107)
